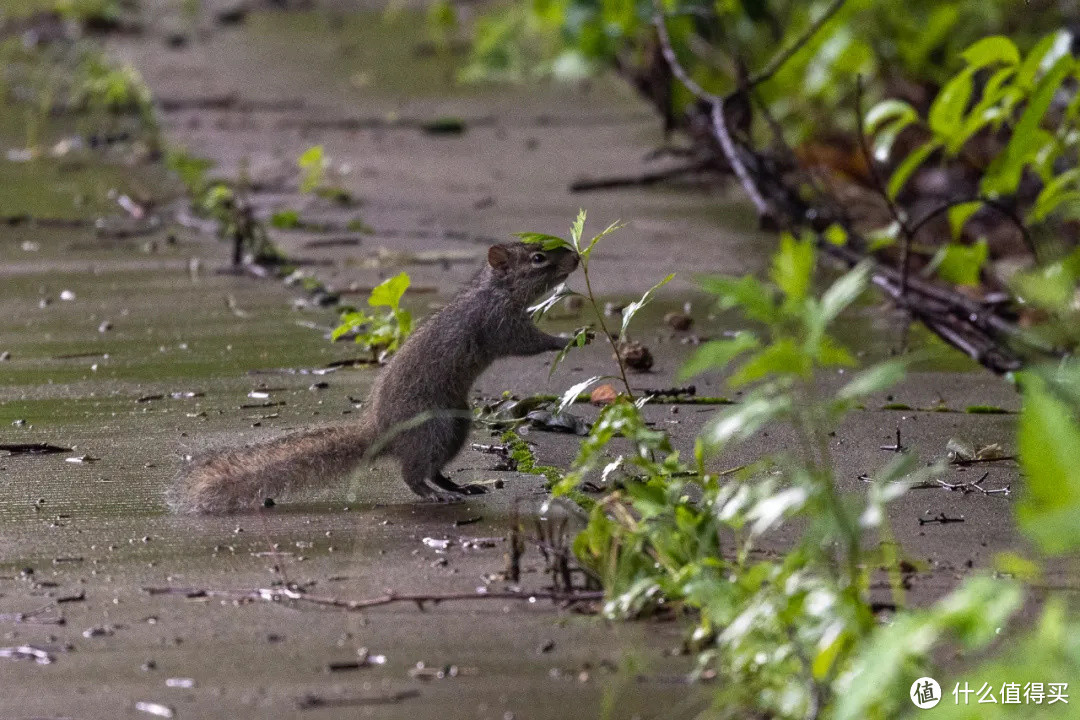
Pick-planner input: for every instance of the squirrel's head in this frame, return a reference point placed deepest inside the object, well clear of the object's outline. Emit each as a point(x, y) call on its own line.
point(528, 270)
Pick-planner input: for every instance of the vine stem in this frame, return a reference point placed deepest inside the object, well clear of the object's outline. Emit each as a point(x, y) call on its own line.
point(603, 327)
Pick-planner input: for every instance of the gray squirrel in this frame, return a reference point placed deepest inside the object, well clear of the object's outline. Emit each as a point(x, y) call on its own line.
point(418, 410)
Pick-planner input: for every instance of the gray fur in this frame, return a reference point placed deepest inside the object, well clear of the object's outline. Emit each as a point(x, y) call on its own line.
point(430, 376)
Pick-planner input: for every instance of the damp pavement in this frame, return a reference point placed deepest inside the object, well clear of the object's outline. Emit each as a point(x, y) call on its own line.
point(130, 351)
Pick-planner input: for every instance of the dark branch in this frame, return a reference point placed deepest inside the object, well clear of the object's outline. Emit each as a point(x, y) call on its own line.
point(289, 595)
point(1003, 209)
point(879, 186)
point(644, 179)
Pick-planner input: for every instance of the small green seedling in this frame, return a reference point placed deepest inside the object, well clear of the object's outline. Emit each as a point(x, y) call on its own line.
point(380, 333)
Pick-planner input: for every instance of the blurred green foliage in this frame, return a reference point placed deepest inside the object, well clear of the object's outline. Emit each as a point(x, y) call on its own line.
point(906, 45)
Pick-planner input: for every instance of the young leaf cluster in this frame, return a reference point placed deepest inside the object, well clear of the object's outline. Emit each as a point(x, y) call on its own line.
point(380, 332)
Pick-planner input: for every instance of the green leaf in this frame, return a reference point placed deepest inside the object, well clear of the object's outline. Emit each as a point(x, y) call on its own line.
point(716, 354)
point(607, 231)
point(1058, 191)
point(844, 291)
point(1049, 448)
point(792, 266)
point(632, 309)
point(784, 357)
point(886, 138)
point(911, 163)
point(961, 264)
point(991, 50)
point(546, 242)
point(349, 322)
point(755, 299)
point(874, 379)
point(1004, 174)
point(312, 162)
point(959, 215)
point(948, 109)
point(1051, 287)
point(577, 228)
point(743, 420)
point(285, 219)
point(1041, 57)
point(887, 111)
point(832, 354)
point(388, 293)
point(835, 234)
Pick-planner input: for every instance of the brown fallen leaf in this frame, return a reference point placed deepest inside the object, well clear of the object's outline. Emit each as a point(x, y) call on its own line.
point(603, 395)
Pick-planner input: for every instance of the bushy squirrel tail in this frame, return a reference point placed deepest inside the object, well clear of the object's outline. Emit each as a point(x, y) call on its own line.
point(243, 478)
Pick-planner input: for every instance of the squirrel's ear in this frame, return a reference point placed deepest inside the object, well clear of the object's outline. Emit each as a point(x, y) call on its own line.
point(498, 257)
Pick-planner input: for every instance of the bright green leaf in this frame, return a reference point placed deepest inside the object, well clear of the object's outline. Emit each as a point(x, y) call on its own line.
point(755, 299)
point(991, 50)
point(792, 266)
point(388, 293)
point(961, 264)
point(911, 163)
point(887, 111)
point(948, 109)
point(784, 357)
point(1004, 174)
point(959, 215)
point(716, 354)
point(1049, 448)
point(844, 291)
point(577, 229)
point(546, 242)
point(875, 379)
point(743, 420)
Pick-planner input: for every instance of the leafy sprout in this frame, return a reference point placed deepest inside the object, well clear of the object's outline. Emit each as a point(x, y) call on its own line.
point(584, 250)
point(381, 333)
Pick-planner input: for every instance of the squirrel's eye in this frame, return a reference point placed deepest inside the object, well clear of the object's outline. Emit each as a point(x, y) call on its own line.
point(538, 258)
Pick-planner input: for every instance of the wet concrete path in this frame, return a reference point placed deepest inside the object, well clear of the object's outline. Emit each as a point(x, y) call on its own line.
point(191, 358)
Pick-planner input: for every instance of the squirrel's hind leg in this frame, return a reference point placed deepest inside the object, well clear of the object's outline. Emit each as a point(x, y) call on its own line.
point(416, 472)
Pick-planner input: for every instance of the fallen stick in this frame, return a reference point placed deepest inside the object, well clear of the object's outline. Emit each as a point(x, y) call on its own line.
point(289, 595)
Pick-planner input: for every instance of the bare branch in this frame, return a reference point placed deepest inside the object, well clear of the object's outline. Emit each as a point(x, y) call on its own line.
point(676, 67)
point(720, 129)
point(282, 594)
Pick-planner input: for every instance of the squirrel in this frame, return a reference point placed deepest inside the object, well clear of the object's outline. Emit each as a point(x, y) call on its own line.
point(429, 377)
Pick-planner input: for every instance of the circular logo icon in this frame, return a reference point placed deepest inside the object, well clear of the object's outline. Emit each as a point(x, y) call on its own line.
point(925, 693)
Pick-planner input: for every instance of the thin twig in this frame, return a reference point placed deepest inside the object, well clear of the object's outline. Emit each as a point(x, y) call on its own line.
point(1001, 207)
point(879, 185)
point(778, 62)
point(289, 595)
point(311, 701)
point(974, 485)
point(643, 180)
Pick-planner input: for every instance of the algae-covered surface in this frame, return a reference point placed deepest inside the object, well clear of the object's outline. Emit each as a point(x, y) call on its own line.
point(130, 350)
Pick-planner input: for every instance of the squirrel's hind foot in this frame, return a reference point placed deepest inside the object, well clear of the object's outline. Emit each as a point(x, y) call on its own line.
point(444, 483)
point(442, 497)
